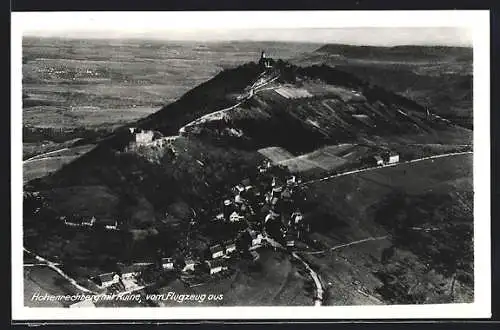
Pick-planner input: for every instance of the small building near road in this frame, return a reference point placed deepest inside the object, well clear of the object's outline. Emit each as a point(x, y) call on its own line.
point(129, 272)
point(230, 247)
point(108, 279)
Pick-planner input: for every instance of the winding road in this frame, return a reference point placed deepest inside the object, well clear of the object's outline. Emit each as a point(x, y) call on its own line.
point(318, 299)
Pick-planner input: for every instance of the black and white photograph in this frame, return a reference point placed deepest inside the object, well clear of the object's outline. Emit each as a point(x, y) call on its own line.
point(331, 165)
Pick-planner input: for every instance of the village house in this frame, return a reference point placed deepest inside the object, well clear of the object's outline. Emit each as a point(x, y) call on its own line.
point(255, 255)
point(129, 272)
point(265, 62)
point(378, 160)
point(230, 247)
point(220, 217)
point(110, 224)
point(286, 194)
point(216, 251)
point(264, 167)
point(189, 265)
point(90, 222)
point(290, 240)
point(83, 303)
point(167, 263)
point(297, 217)
point(108, 279)
point(236, 217)
point(238, 189)
point(216, 266)
point(238, 199)
point(276, 192)
point(73, 222)
point(256, 237)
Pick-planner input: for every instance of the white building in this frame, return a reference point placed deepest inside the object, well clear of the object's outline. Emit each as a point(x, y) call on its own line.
point(83, 303)
point(189, 266)
point(108, 279)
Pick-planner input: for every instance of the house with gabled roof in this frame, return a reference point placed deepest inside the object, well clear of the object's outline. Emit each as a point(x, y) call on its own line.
point(256, 237)
point(130, 271)
point(107, 279)
point(393, 157)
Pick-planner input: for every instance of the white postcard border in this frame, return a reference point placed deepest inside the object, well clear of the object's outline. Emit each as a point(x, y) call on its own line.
point(477, 21)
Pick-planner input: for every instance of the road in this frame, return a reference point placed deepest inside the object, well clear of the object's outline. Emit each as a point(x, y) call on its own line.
point(382, 166)
point(318, 299)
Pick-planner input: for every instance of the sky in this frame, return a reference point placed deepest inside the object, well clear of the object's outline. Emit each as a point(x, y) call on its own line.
point(226, 26)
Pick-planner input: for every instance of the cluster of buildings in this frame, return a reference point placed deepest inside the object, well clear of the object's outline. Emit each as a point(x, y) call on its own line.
point(238, 207)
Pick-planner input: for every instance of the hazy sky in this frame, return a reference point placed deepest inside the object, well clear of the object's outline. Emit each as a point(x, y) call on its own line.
point(226, 26)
